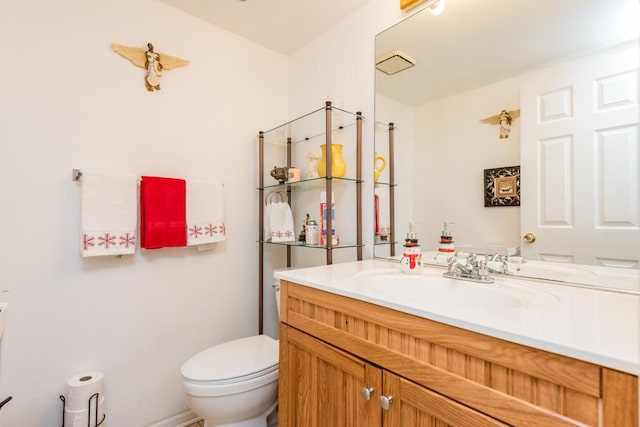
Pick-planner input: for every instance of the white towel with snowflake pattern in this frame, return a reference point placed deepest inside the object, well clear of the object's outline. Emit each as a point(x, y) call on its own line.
point(205, 212)
point(109, 211)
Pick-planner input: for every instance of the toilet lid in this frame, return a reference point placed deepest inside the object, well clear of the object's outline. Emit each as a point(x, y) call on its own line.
point(245, 357)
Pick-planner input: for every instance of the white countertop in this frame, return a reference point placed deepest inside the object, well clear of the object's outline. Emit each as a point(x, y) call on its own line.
point(593, 325)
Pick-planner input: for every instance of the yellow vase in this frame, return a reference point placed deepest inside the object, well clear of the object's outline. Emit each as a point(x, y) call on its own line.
point(338, 168)
point(379, 163)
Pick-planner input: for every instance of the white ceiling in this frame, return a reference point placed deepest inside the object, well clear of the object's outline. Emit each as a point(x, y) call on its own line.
point(280, 25)
point(475, 43)
point(472, 43)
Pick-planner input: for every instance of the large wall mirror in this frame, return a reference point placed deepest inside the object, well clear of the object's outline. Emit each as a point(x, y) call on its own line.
point(561, 169)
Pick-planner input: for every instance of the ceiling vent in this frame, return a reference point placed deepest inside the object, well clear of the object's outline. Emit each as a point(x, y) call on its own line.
point(393, 62)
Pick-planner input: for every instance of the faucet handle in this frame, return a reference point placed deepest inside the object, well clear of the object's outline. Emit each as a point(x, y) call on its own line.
point(496, 258)
point(452, 261)
point(481, 266)
point(505, 266)
point(472, 260)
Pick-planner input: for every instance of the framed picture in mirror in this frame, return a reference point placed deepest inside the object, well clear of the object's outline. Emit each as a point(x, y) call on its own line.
point(502, 186)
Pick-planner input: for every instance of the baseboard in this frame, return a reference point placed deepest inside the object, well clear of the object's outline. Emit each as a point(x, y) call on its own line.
point(183, 419)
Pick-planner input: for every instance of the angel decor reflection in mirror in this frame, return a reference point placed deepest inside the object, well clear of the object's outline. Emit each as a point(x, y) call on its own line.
point(154, 63)
point(504, 119)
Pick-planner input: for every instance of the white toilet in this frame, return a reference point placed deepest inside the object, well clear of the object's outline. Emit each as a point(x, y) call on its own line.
point(234, 384)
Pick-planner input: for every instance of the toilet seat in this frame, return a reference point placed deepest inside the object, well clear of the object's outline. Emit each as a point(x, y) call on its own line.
point(240, 364)
point(217, 389)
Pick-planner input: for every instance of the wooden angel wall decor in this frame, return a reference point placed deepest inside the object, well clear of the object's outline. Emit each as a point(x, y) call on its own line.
point(504, 119)
point(154, 63)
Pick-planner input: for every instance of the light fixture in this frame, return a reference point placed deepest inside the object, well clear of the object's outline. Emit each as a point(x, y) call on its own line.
point(436, 7)
point(394, 61)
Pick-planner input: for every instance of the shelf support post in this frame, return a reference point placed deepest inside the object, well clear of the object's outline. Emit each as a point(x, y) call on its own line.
point(359, 184)
point(261, 232)
point(329, 199)
point(392, 189)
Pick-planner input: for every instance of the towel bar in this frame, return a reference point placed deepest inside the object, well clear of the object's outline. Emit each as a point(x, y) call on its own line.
point(5, 401)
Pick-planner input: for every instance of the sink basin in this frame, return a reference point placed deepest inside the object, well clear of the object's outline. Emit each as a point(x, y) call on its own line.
point(3, 315)
point(431, 289)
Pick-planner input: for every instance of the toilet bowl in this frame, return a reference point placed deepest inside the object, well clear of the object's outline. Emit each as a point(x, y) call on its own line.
point(234, 384)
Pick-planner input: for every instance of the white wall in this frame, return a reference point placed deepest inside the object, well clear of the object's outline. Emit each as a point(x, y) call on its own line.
point(442, 157)
point(403, 118)
point(452, 149)
point(338, 66)
point(68, 101)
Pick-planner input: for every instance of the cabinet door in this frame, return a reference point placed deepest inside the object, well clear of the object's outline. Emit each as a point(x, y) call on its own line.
point(320, 386)
point(416, 406)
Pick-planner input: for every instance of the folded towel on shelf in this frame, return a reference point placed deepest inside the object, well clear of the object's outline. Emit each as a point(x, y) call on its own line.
point(162, 212)
point(108, 214)
point(205, 212)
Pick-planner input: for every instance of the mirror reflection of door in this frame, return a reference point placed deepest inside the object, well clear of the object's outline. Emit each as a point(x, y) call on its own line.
point(579, 160)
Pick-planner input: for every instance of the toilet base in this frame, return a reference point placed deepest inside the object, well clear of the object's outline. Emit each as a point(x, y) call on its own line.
point(259, 421)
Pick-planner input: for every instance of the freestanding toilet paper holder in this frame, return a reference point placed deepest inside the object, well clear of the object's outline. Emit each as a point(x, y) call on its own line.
point(96, 395)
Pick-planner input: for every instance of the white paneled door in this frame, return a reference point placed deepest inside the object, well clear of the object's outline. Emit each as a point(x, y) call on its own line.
point(580, 160)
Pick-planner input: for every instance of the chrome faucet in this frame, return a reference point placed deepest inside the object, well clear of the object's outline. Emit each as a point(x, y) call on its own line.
point(497, 258)
point(475, 270)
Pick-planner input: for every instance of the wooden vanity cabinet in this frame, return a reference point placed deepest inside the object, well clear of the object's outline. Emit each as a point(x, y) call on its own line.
point(332, 347)
point(320, 385)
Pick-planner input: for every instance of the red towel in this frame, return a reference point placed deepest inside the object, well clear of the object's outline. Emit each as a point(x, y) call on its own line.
point(163, 218)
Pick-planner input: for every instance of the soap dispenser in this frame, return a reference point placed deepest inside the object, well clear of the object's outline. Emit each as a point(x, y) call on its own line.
point(411, 261)
point(446, 246)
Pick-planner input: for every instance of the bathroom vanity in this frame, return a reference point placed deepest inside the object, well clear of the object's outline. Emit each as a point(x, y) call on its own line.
point(363, 345)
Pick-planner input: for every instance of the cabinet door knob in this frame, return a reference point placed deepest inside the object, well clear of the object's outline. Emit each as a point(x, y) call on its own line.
point(366, 392)
point(529, 238)
point(385, 402)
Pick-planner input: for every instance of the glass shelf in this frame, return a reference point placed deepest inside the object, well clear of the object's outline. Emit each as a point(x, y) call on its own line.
point(311, 184)
point(304, 245)
point(310, 126)
point(384, 184)
point(384, 243)
point(303, 142)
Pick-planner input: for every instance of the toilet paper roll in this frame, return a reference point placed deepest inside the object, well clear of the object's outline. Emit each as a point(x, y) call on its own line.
point(84, 418)
point(80, 388)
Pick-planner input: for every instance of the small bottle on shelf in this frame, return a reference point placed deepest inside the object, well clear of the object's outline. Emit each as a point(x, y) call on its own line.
point(312, 231)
